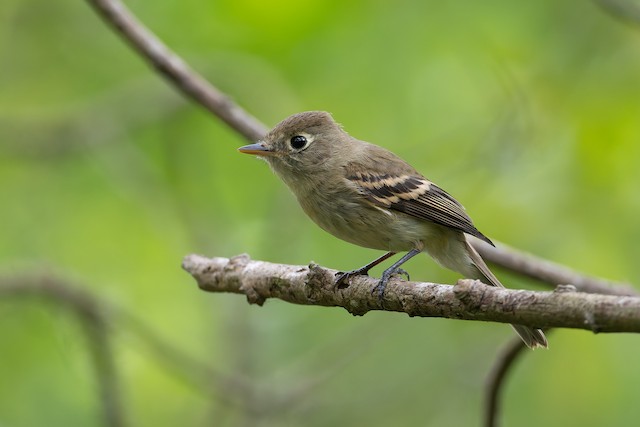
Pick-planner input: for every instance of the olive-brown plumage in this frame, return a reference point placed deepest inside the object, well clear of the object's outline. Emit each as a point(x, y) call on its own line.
point(366, 195)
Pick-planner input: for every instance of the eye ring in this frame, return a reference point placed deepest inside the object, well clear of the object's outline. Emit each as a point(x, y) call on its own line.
point(298, 142)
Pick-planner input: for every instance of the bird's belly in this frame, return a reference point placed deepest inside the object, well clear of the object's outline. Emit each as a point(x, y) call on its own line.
point(368, 226)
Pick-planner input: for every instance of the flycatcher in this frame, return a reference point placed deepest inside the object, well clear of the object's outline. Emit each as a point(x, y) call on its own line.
point(368, 196)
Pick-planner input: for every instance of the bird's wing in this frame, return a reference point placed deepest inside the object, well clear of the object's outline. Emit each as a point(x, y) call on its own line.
point(409, 192)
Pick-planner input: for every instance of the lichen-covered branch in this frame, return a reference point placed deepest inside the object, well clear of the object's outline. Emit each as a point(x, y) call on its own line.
point(468, 300)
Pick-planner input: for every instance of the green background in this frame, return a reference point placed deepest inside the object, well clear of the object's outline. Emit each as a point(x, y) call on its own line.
point(527, 112)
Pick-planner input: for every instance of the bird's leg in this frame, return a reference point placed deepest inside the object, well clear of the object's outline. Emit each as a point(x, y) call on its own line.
point(343, 276)
point(395, 268)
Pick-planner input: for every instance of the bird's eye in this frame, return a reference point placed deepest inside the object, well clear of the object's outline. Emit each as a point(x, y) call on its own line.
point(298, 142)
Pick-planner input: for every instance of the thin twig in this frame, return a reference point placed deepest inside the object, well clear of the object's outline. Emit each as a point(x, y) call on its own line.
point(495, 381)
point(102, 353)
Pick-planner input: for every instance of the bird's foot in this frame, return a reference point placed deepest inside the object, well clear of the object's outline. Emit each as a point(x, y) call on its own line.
point(382, 284)
point(379, 289)
point(343, 277)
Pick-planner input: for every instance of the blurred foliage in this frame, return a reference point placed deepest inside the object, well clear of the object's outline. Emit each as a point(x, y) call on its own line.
point(528, 112)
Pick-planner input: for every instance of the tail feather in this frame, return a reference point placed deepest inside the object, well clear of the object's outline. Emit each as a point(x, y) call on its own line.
point(533, 338)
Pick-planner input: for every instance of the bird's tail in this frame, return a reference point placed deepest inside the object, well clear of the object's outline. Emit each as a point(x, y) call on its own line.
point(532, 337)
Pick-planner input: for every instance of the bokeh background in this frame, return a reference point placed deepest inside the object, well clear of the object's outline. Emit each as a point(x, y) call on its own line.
point(527, 112)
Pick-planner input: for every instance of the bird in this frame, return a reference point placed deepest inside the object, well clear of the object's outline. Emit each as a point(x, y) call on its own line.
point(368, 196)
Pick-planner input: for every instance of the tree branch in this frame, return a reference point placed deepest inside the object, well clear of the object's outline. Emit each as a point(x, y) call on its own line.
point(469, 300)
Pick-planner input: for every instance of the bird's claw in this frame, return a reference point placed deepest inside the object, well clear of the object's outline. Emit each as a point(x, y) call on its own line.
point(379, 289)
point(343, 277)
point(382, 284)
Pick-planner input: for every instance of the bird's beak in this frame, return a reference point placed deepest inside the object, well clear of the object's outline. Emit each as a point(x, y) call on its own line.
point(259, 149)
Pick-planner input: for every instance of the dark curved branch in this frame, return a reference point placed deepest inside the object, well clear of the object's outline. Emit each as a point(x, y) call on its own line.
point(468, 300)
point(513, 351)
point(495, 382)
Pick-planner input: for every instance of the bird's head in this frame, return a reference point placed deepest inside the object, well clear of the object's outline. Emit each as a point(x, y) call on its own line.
point(303, 143)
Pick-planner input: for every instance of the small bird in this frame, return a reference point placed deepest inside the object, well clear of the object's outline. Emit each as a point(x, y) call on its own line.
point(368, 196)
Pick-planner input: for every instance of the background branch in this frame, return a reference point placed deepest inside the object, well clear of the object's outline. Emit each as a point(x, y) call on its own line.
point(469, 300)
point(97, 317)
point(547, 271)
point(511, 352)
point(93, 318)
point(625, 11)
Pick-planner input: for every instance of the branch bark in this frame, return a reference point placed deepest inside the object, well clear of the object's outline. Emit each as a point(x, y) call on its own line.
point(469, 300)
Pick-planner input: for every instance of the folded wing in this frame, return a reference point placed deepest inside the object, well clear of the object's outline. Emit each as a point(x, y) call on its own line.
point(413, 195)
